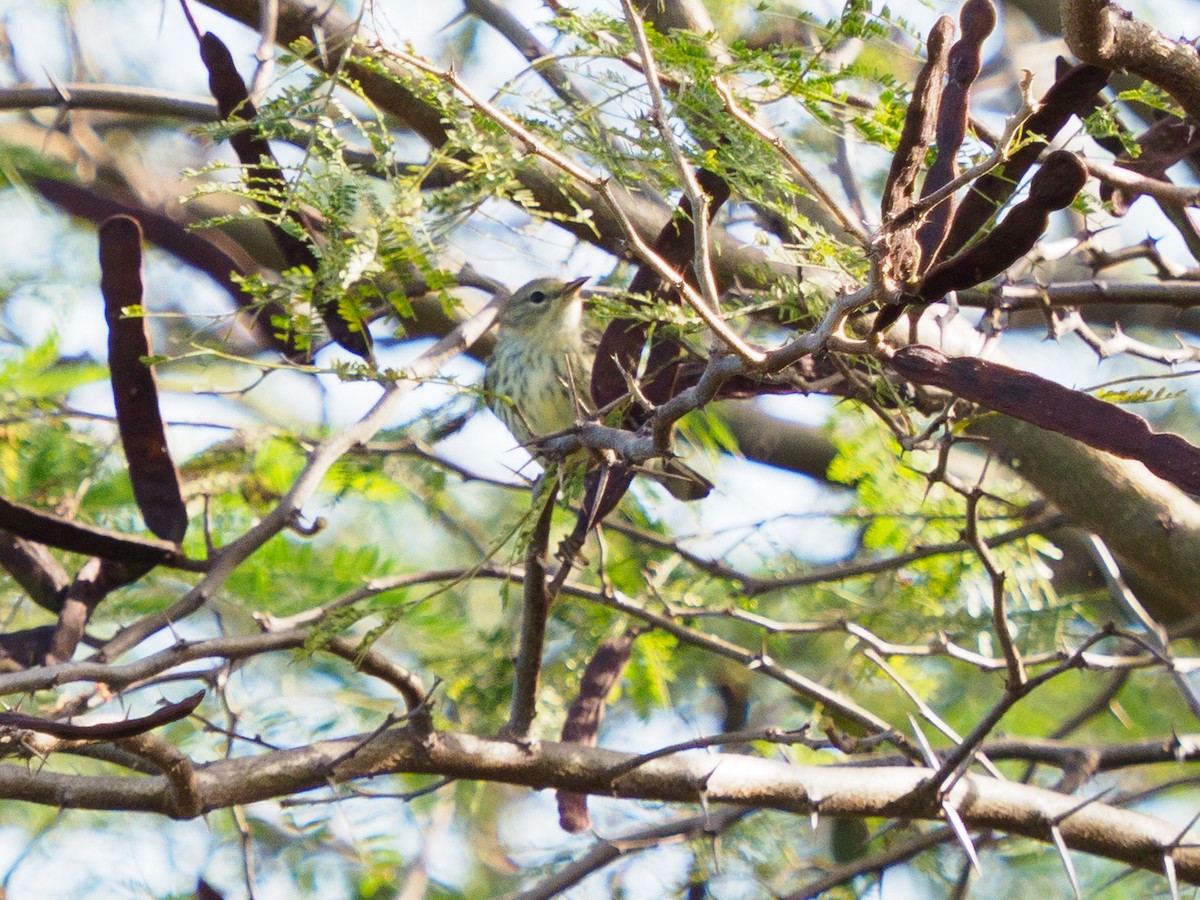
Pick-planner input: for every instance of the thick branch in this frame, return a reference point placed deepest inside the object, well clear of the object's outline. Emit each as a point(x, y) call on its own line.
point(123, 98)
point(1103, 34)
point(1151, 526)
point(1097, 292)
point(982, 802)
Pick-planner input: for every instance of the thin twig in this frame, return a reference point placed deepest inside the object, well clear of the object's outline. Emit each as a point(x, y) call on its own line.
point(1162, 191)
point(603, 187)
point(702, 264)
point(734, 108)
point(1013, 693)
point(1016, 669)
point(998, 156)
point(607, 850)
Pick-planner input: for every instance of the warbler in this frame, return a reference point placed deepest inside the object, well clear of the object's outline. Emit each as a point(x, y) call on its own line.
point(539, 376)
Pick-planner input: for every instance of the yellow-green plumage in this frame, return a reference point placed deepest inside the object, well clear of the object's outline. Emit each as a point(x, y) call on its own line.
point(539, 376)
point(540, 373)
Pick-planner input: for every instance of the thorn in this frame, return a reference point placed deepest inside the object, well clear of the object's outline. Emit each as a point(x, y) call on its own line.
point(601, 487)
point(1172, 877)
point(931, 759)
point(1095, 798)
point(1056, 835)
point(1190, 825)
point(321, 44)
point(462, 15)
point(964, 836)
point(989, 766)
point(60, 89)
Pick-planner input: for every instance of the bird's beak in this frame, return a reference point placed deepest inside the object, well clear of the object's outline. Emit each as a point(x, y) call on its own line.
point(572, 287)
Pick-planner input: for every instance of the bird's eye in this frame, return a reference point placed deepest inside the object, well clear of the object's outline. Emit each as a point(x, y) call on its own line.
point(537, 297)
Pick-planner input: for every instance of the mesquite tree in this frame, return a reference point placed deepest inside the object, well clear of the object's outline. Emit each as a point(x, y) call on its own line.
point(292, 593)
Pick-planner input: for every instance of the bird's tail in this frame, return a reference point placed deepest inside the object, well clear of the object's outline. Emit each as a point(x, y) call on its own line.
point(682, 481)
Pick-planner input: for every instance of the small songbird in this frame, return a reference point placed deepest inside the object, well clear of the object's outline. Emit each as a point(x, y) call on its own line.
point(540, 373)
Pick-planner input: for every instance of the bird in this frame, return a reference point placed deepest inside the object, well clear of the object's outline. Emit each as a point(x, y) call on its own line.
point(538, 378)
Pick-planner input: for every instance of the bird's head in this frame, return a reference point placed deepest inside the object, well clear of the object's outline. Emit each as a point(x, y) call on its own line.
point(544, 305)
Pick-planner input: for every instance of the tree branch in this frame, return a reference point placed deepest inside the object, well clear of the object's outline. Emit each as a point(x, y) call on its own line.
point(1103, 34)
point(981, 802)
